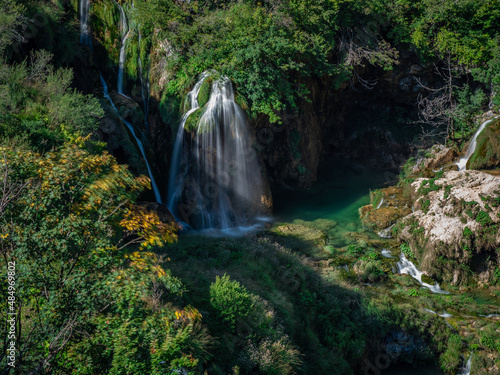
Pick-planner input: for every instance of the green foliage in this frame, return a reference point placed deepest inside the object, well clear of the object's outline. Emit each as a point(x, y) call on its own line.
point(413, 293)
point(376, 196)
point(483, 218)
point(428, 185)
point(355, 249)
point(230, 299)
point(407, 251)
point(11, 23)
point(451, 358)
point(468, 107)
point(38, 103)
point(67, 230)
point(467, 233)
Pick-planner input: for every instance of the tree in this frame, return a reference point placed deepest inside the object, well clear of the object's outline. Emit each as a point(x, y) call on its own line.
point(65, 234)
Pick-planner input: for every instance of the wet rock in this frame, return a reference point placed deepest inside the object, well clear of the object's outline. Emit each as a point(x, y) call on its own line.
point(434, 158)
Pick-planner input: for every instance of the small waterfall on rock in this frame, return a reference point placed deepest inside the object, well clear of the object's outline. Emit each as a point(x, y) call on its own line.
point(137, 139)
point(407, 267)
point(123, 53)
point(84, 22)
point(462, 163)
point(467, 367)
point(215, 180)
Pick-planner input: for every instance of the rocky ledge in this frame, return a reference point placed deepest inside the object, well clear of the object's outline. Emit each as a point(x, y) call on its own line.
point(454, 230)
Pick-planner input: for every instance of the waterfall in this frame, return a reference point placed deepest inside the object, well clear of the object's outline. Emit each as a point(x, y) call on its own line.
point(407, 267)
point(176, 179)
point(462, 163)
point(123, 54)
point(84, 22)
point(467, 367)
point(215, 180)
point(139, 143)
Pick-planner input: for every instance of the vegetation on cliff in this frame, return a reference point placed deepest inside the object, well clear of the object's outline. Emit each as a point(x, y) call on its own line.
point(101, 285)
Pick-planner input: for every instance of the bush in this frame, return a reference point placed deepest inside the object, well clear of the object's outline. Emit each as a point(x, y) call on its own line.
point(407, 251)
point(230, 299)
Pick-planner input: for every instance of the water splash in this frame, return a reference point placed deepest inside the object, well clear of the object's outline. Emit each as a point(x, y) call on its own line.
point(386, 233)
point(407, 267)
point(215, 179)
point(386, 253)
point(137, 139)
point(84, 22)
point(462, 163)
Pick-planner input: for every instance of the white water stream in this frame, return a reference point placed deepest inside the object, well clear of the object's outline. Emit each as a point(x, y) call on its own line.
point(123, 52)
point(215, 180)
point(137, 139)
point(467, 367)
point(462, 163)
point(407, 267)
point(84, 22)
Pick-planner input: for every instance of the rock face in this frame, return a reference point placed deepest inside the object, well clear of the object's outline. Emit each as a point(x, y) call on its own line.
point(455, 229)
point(434, 158)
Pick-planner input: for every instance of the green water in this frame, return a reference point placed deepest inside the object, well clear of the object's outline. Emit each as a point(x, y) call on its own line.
point(342, 188)
point(332, 205)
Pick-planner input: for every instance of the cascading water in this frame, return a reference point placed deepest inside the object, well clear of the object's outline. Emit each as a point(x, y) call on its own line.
point(139, 143)
point(462, 163)
point(123, 53)
point(215, 179)
point(176, 179)
point(467, 367)
point(407, 267)
point(84, 22)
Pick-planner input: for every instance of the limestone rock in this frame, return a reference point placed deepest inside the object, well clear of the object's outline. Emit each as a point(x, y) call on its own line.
point(455, 227)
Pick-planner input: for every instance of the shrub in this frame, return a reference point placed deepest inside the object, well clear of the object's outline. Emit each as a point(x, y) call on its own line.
point(230, 299)
point(407, 251)
point(483, 218)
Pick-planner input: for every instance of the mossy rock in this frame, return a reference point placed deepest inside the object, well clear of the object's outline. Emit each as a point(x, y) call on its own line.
point(205, 91)
point(193, 120)
point(487, 153)
point(383, 217)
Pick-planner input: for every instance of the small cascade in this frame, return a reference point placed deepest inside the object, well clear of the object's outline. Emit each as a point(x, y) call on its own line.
point(407, 267)
point(462, 163)
point(386, 233)
point(123, 54)
point(215, 180)
point(84, 22)
point(176, 179)
point(387, 253)
point(139, 143)
point(467, 367)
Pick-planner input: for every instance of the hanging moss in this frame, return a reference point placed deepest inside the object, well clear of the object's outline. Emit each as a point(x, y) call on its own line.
point(169, 110)
point(205, 90)
point(193, 120)
point(487, 153)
